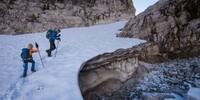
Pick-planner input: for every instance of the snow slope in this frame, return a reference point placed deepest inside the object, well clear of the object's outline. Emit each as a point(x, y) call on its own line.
point(194, 92)
point(59, 79)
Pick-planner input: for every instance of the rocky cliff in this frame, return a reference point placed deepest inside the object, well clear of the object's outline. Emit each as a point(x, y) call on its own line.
point(23, 16)
point(172, 31)
point(172, 25)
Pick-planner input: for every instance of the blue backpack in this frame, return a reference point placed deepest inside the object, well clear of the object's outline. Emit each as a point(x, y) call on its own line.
point(51, 34)
point(25, 54)
point(48, 35)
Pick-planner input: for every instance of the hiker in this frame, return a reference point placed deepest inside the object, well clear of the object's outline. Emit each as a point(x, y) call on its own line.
point(27, 57)
point(52, 35)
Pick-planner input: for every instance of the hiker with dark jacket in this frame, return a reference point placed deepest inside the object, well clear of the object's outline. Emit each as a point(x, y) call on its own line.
point(52, 35)
point(27, 57)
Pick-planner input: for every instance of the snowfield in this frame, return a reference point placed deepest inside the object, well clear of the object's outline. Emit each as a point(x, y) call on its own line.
point(59, 79)
point(194, 92)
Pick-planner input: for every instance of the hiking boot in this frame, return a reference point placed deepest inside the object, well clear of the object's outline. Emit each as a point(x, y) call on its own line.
point(33, 70)
point(49, 56)
point(23, 76)
point(47, 51)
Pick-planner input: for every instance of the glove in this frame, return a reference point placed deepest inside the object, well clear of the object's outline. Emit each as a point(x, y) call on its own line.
point(58, 35)
point(58, 39)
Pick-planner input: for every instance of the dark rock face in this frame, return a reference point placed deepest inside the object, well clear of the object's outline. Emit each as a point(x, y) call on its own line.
point(22, 16)
point(172, 24)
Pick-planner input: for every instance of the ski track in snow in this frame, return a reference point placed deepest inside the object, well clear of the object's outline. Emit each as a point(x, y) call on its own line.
point(59, 79)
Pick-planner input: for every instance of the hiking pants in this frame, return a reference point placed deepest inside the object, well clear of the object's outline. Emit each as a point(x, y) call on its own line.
point(26, 66)
point(52, 47)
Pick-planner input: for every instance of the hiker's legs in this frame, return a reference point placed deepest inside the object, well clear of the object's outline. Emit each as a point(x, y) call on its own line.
point(25, 69)
point(52, 47)
point(33, 65)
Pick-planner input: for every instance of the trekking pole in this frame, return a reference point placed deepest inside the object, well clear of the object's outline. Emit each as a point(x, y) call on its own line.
point(57, 48)
point(37, 46)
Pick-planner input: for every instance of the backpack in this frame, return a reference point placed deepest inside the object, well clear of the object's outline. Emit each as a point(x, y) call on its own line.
point(25, 54)
point(48, 35)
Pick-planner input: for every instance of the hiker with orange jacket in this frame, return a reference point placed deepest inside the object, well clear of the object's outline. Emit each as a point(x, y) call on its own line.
point(27, 57)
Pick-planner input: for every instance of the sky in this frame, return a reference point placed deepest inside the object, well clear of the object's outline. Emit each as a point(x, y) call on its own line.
point(141, 5)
